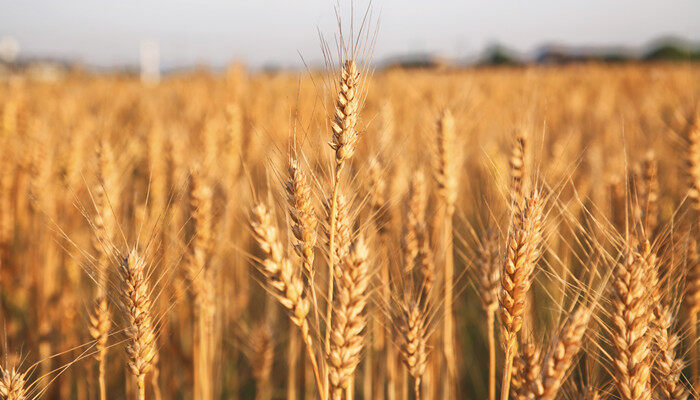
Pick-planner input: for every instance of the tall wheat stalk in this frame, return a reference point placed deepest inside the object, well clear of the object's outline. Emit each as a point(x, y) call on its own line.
point(523, 250)
point(447, 189)
point(104, 225)
point(343, 141)
point(489, 275)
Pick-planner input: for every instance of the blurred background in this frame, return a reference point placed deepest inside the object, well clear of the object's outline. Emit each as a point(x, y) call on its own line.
point(275, 34)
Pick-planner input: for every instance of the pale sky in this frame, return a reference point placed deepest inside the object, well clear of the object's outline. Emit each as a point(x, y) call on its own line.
point(275, 32)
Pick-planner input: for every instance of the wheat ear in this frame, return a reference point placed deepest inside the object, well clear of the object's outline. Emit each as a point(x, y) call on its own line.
point(414, 215)
point(13, 384)
point(488, 276)
point(140, 331)
point(649, 194)
point(283, 280)
point(523, 250)
point(348, 321)
point(263, 353)
point(632, 316)
point(668, 365)
point(526, 369)
point(518, 172)
point(561, 355)
point(413, 341)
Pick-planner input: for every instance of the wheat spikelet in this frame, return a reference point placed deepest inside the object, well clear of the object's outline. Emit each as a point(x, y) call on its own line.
point(343, 229)
point(302, 214)
point(140, 331)
point(561, 355)
point(277, 269)
point(668, 366)
point(426, 262)
point(348, 321)
point(263, 352)
point(526, 370)
point(692, 279)
point(347, 106)
point(234, 141)
point(200, 198)
point(518, 169)
point(445, 172)
point(632, 316)
point(377, 197)
point(414, 215)
point(522, 253)
point(413, 340)
point(488, 270)
point(649, 194)
point(12, 384)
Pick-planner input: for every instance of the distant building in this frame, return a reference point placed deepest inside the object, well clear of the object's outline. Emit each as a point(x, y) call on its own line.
point(9, 49)
point(150, 62)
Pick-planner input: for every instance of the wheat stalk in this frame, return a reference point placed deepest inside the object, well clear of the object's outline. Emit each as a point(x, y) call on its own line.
point(488, 279)
point(523, 250)
point(446, 176)
point(104, 225)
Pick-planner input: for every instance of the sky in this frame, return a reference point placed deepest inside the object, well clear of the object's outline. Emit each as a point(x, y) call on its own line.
point(286, 32)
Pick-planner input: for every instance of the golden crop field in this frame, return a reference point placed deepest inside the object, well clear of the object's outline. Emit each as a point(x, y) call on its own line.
point(478, 233)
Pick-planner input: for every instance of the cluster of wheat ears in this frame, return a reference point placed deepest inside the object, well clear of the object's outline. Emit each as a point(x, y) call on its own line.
point(528, 233)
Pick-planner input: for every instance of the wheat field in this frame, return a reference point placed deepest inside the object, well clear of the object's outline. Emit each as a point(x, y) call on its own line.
point(479, 233)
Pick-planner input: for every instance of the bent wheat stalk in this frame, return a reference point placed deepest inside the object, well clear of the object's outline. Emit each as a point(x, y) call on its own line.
point(284, 280)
